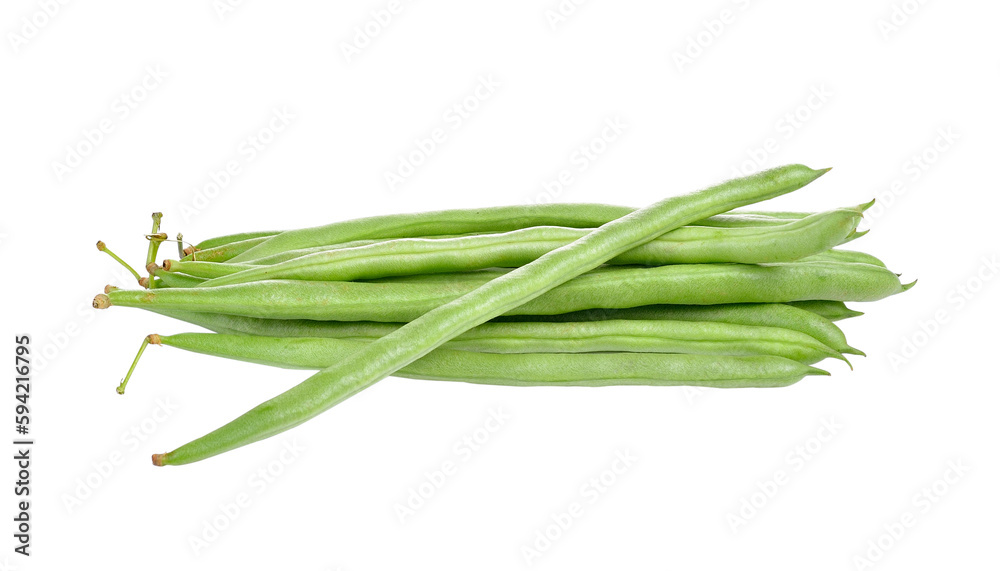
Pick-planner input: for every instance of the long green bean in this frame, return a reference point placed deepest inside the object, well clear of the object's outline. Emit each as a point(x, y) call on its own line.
point(537, 369)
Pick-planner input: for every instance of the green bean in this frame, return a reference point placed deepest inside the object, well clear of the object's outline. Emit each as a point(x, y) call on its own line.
point(691, 245)
point(846, 256)
point(537, 369)
point(381, 358)
point(855, 235)
point(767, 315)
point(611, 287)
point(174, 279)
point(227, 251)
point(495, 219)
point(224, 252)
point(738, 219)
point(832, 310)
point(636, 336)
point(753, 314)
point(720, 221)
point(205, 270)
point(230, 238)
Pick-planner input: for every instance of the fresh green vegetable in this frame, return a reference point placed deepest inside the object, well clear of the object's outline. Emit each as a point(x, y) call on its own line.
point(537, 369)
point(613, 287)
point(362, 368)
point(689, 245)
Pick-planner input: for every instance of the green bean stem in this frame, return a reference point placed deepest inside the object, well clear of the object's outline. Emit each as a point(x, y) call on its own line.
point(121, 386)
point(101, 246)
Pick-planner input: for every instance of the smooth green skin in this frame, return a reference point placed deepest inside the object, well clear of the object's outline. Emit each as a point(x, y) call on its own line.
point(537, 369)
point(782, 316)
point(230, 238)
point(610, 287)
point(719, 221)
point(846, 256)
point(744, 219)
point(226, 251)
point(688, 245)
point(773, 315)
point(206, 270)
point(626, 336)
point(732, 220)
point(832, 310)
point(495, 219)
point(177, 280)
point(427, 332)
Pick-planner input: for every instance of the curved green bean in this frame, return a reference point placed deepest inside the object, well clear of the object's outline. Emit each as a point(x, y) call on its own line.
point(230, 238)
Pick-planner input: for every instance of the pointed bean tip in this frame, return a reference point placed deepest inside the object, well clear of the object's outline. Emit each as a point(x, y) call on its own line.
point(853, 351)
point(867, 205)
point(819, 372)
point(824, 171)
point(906, 287)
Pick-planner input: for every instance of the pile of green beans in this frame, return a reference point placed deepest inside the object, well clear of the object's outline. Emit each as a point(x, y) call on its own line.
point(688, 291)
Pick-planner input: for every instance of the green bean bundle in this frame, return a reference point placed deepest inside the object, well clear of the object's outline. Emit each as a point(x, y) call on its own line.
point(688, 291)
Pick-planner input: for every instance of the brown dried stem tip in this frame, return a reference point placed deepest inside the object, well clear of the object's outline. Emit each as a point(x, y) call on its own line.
point(109, 288)
point(144, 282)
point(101, 245)
point(152, 267)
point(158, 459)
point(102, 301)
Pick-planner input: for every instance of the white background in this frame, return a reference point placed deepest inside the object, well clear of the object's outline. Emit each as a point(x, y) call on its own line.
point(888, 92)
